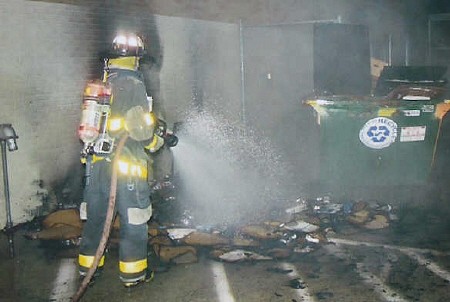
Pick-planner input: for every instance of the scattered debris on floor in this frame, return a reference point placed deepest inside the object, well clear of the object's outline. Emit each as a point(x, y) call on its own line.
point(176, 254)
point(324, 295)
point(297, 283)
point(238, 255)
point(59, 225)
point(279, 270)
point(301, 227)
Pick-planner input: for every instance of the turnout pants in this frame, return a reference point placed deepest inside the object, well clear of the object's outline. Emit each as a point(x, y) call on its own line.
point(134, 209)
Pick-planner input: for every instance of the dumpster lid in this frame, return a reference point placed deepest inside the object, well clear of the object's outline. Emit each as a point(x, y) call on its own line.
point(416, 93)
point(392, 77)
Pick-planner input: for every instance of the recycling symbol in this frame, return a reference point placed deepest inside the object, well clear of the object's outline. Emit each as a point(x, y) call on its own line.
point(378, 133)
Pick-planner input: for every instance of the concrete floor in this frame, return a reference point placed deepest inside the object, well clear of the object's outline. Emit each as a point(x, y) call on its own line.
point(409, 261)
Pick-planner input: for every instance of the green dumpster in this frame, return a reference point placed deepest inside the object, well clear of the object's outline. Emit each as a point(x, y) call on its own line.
point(370, 142)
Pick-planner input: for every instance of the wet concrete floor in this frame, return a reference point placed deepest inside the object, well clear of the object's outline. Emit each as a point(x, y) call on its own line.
point(409, 261)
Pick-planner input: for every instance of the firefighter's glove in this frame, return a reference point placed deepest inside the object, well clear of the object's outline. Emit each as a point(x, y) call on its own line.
point(139, 124)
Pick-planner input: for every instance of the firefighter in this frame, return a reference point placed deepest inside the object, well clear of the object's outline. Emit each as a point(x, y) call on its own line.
point(133, 204)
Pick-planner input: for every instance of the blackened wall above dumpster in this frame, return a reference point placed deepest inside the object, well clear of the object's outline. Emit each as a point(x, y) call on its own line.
point(283, 65)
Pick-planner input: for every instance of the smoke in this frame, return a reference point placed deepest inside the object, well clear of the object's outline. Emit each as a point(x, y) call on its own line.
point(228, 175)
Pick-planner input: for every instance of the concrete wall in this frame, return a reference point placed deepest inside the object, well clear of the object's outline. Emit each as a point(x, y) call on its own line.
point(40, 95)
point(49, 49)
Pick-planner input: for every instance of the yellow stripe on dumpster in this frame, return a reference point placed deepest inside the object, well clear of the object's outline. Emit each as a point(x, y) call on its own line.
point(386, 112)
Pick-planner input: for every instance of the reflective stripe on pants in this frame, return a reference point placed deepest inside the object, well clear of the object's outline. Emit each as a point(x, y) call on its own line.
point(85, 262)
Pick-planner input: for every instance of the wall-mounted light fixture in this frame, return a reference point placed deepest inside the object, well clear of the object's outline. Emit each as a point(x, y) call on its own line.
point(8, 139)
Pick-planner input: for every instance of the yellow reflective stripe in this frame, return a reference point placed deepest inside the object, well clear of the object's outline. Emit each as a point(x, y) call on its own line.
point(126, 168)
point(133, 267)
point(115, 124)
point(95, 158)
point(124, 62)
point(386, 112)
point(87, 261)
point(153, 119)
point(321, 110)
point(149, 119)
point(123, 167)
point(153, 143)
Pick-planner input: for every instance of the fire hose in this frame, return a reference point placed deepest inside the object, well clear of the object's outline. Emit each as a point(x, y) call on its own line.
point(107, 226)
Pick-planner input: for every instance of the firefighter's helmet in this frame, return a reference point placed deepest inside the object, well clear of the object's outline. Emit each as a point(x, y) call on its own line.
point(127, 45)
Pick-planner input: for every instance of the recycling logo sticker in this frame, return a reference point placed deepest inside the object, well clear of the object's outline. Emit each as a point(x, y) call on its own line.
point(378, 133)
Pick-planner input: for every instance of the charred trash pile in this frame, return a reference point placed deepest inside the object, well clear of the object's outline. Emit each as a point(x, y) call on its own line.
point(295, 227)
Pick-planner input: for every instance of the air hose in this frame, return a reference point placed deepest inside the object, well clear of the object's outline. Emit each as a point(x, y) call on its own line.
point(107, 226)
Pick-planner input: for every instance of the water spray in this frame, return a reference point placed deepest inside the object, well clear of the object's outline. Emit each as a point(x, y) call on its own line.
point(228, 176)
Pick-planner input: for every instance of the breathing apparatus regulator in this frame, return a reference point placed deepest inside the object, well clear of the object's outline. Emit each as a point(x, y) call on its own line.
point(96, 109)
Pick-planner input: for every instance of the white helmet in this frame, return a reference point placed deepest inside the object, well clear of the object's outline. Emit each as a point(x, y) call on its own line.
point(128, 45)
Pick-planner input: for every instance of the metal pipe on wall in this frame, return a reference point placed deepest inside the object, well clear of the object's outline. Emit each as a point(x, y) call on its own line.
point(9, 223)
point(390, 50)
point(429, 42)
point(337, 20)
point(241, 51)
point(8, 138)
point(407, 50)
